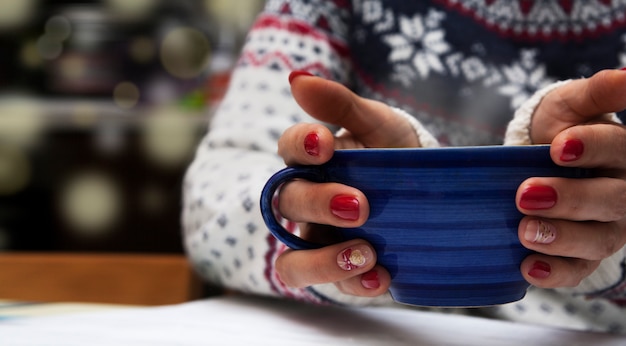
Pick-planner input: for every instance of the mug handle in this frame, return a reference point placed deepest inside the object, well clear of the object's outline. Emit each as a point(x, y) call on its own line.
point(312, 173)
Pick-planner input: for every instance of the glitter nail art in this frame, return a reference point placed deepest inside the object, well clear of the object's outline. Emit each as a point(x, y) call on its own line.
point(540, 232)
point(350, 259)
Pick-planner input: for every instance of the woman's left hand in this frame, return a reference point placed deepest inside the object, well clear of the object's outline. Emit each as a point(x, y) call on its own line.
point(574, 224)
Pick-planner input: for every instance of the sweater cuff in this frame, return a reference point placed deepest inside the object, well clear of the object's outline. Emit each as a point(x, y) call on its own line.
point(426, 139)
point(518, 130)
point(608, 281)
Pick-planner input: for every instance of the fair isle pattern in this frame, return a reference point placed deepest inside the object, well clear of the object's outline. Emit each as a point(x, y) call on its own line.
point(544, 19)
point(420, 50)
point(327, 16)
point(282, 40)
point(224, 231)
point(293, 53)
point(542, 306)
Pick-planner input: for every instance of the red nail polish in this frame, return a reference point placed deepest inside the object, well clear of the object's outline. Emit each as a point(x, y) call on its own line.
point(311, 144)
point(539, 270)
point(295, 74)
point(572, 150)
point(623, 69)
point(370, 280)
point(538, 197)
point(345, 207)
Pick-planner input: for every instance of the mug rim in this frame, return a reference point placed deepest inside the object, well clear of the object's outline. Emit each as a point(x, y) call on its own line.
point(447, 157)
point(489, 147)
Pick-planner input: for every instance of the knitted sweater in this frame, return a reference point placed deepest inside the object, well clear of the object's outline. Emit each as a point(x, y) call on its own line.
point(460, 68)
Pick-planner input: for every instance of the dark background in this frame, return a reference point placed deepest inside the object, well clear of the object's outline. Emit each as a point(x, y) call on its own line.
point(101, 106)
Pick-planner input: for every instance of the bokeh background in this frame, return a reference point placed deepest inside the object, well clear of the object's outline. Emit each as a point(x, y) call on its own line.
point(101, 106)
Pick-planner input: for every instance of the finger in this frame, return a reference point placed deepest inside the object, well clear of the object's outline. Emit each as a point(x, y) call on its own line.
point(306, 144)
point(323, 203)
point(579, 101)
point(586, 240)
point(598, 199)
point(373, 122)
point(370, 284)
point(552, 272)
point(332, 263)
point(593, 145)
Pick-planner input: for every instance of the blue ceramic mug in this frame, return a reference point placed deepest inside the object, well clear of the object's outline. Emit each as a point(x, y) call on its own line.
point(443, 221)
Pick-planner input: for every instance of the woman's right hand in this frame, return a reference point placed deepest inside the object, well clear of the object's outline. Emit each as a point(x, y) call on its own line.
point(319, 207)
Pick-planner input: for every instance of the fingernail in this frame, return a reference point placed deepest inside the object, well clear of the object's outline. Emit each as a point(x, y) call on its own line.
point(538, 197)
point(572, 150)
point(345, 207)
point(623, 69)
point(294, 74)
point(538, 231)
point(370, 280)
point(354, 257)
point(311, 144)
point(539, 270)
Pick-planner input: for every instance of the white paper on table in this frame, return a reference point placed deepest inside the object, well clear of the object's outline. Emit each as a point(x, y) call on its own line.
point(237, 320)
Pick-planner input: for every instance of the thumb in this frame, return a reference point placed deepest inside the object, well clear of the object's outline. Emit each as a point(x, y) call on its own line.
point(372, 123)
point(578, 102)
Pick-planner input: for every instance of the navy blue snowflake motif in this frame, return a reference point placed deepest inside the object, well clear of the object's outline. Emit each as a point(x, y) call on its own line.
point(418, 47)
point(523, 78)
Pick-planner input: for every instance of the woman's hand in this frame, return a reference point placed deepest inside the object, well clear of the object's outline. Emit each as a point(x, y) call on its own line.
point(317, 207)
point(575, 224)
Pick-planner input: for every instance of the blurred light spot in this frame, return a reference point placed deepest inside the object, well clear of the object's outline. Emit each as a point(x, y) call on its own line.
point(235, 15)
point(126, 95)
point(14, 13)
point(15, 170)
point(49, 48)
point(135, 9)
point(73, 67)
point(110, 137)
point(91, 27)
point(58, 28)
point(161, 90)
point(153, 199)
point(91, 203)
point(84, 115)
point(21, 121)
point(50, 44)
point(169, 136)
point(142, 49)
point(29, 55)
point(185, 52)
